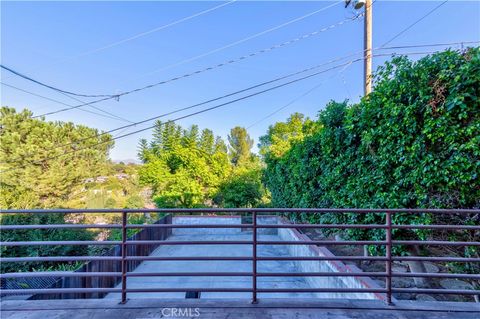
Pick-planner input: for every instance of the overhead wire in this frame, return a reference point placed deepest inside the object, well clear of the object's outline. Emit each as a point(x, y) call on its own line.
point(209, 108)
point(309, 91)
point(241, 91)
point(381, 47)
point(116, 96)
point(144, 33)
point(415, 23)
point(114, 117)
point(253, 36)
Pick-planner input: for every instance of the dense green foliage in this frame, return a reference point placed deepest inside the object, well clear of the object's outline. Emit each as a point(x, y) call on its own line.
point(39, 235)
point(183, 167)
point(243, 188)
point(35, 171)
point(189, 168)
point(413, 142)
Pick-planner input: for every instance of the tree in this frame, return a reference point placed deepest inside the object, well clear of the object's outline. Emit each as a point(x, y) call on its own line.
point(143, 150)
point(240, 145)
point(243, 188)
point(188, 173)
point(42, 162)
point(207, 141)
point(282, 135)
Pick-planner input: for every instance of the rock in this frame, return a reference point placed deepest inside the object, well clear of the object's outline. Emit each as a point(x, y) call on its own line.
point(455, 284)
point(423, 297)
point(401, 282)
point(431, 267)
point(397, 267)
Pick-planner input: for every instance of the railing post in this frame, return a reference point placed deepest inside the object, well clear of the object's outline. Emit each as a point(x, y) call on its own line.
point(124, 255)
point(388, 253)
point(254, 261)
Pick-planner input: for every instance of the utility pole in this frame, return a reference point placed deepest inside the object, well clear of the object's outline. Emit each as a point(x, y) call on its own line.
point(367, 46)
point(367, 41)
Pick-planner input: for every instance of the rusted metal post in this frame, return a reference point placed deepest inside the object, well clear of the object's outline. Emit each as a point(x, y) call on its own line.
point(388, 253)
point(124, 256)
point(254, 261)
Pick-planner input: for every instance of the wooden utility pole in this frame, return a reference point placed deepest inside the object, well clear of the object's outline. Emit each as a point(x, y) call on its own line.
point(367, 46)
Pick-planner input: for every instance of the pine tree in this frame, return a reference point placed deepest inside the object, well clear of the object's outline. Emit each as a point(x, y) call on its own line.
point(240, 145)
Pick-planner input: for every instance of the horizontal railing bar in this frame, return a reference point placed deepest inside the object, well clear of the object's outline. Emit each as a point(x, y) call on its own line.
point(200, 258)
point(59, 226)
point(189, 242)
point(362, 226)
point(322, 242)
point(323, 274)
point(57, 291)
point(190, 226)
point(261, 290)
point(58, 258)
point(324, 290)
point(245, 210)
point(231, 274)
point(446, 227)
point(436, 275)
point(275, 226)
point(437, 259)
point(436, 291)
point(324, 258)
point(189, 274)
point(62, 243)
point(245, 274)
point(189, 289)
point(435, 242)
point(260, 258)
point(203, 258)
point(60, 274)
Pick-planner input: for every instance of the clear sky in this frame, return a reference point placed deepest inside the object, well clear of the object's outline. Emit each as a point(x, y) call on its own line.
point(56, 42)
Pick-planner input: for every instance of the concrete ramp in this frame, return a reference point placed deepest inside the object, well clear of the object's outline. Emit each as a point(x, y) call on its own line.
point(235, 250)
point(216, 266)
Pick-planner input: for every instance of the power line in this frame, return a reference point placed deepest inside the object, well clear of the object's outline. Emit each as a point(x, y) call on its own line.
point(428, 45)
point(185, 116)
point(142, 34)
point(26, 77)
point(155, 29)
point(253, 36)
point(211, 108)
point(276, 46)
point(114, 117)
point(98, 109)
point(294, 100)
point(192, 73)
point(415, 23)
point(233, 61)
point(214, 99)
point(237, 92)
point(380, 48)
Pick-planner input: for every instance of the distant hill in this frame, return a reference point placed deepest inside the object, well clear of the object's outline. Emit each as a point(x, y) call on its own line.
point(127, 161)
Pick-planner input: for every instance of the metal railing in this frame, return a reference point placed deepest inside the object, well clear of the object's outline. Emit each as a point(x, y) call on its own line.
point(388, 258)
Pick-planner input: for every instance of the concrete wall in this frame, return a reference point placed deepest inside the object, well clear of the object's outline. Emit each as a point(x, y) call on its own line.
point(289, 234)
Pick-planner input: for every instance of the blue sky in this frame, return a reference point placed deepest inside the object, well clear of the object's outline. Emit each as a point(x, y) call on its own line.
point(48, 41)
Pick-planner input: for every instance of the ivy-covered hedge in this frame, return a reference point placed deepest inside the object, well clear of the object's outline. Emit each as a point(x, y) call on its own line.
point(414, 142)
